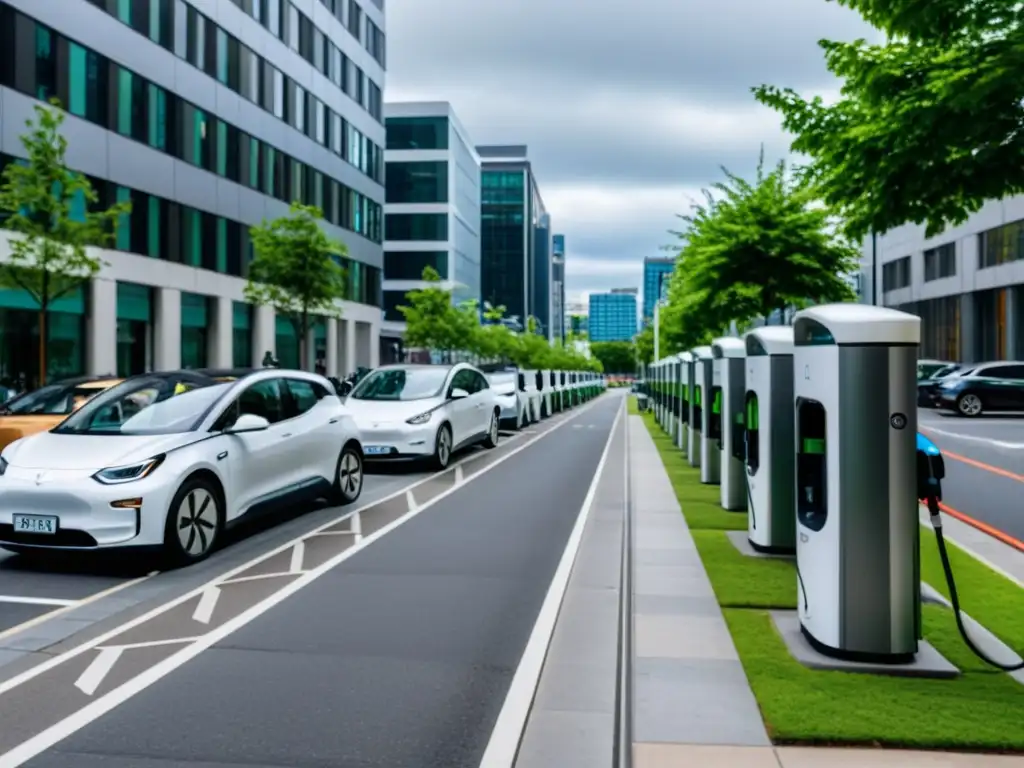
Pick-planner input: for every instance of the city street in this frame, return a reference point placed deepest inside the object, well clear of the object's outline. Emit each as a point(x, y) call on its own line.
point(984, 467)
point(382, 636)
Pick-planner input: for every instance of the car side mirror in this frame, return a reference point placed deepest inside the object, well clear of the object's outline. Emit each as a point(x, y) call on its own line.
point(248, 422)
point(458, 394)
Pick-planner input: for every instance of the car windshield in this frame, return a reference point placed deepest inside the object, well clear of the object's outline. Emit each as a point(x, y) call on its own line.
point(152, 407)
point(52, 400)
point(401, 384)
point(946, 370)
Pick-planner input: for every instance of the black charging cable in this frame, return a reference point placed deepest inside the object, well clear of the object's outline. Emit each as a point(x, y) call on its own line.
point(936, 519)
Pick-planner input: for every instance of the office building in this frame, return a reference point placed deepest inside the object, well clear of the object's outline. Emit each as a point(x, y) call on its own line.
point(515, 257)
point(965, 283)
point(577, 319)
point(612, 315)
point(657, 273)
point(432, 209)
point(209, 117)
point(558, 287)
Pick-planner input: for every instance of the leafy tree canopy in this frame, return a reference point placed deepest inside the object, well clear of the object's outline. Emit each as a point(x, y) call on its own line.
point(296, 269)
point(431, 320)
point(615, 356)
point(929, 123)
point(757, 247)
point(55, 213)
point(644, 343)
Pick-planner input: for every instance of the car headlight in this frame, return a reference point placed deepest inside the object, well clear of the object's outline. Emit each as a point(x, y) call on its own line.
point(128, 473)
point(423, 418)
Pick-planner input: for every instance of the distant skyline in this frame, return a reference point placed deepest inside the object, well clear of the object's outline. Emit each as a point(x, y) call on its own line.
point(622, 143)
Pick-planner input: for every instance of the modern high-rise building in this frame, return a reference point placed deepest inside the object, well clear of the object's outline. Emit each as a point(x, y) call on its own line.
point(558, 287)
point(657, 272)
point(432, 211)
point(966, 284)
point(209, 117)
point(515, 256)
point(613, 315)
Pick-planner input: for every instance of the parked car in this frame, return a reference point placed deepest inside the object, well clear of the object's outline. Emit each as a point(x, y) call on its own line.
point(983, 388)
point(512, 402)
point(145, 465)
point(46, 407)
point(424, 412)
point(929, 374)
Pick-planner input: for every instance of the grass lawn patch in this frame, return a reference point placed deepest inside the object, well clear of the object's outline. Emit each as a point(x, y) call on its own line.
point(631, 407)
point(981, 710)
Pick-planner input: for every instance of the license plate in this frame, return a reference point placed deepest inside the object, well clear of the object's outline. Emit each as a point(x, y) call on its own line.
point(376, 450)
point(35, 524)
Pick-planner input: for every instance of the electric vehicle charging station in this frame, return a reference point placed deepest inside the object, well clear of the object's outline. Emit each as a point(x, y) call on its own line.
point(676, 398)
point(728, 368)
point(705, 440)
point(855, 400)
point(771, 451)
point(532, 395)
point(545, 395)
point(564, 388)
point(685, 369)
point(693, 438)
point(670, 407)
point(556, 392)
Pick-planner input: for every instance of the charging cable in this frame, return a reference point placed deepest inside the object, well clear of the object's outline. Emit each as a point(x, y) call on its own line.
point(936, 519)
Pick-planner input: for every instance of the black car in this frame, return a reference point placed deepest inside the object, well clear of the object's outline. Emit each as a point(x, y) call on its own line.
point(929, 374)
point(983, 388)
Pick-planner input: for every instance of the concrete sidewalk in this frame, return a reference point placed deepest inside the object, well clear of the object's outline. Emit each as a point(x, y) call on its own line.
point(692, 703)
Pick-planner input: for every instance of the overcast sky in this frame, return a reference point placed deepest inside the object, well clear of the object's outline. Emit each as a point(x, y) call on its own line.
point(628, 108)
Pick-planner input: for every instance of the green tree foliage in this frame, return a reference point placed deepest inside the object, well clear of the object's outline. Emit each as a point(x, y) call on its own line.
point(431, 320)
point(615, 356)
point(296, 270)
point(929, 123)
point(759, 246)
point(644, 344)
point(53, 211)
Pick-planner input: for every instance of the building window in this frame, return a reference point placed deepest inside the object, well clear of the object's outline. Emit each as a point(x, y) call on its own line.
point(417, 132)
point(409, 265)
point(418, 182)
point(392, 301)
point(194, 338)
point(940, 262)
point(896, 274)
point(87, 86)
point(287, 339)
point(134, 328)
point(1001, 245)
point(416, 226)
point(241, 334)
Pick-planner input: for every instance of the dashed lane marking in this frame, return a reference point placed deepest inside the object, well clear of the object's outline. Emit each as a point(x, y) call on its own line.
point(22, 600)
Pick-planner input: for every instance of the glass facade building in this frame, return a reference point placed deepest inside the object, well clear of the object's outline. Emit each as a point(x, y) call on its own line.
point(187, 115)
point(558, 287)
point(432, 210)
point(612, 316)
point(657, 272)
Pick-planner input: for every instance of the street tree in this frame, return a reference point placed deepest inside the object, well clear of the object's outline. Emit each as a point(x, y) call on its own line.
point(55, 217)
point(929, 123)
point(296, 269)
point(759, 246)
point(644, 344)
point(431, 320)
point(615, 356)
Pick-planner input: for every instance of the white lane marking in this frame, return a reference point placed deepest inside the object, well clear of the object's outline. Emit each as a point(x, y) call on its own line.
point(90, 680)
point(96, 709)
point(263, 576)
point(298, 554)
point(208, 601)
point(11, 631)
point(36, 600)
point(356, 524)
point(973, 438)
point(411, 501)
point(503, 745)
point(153, 643)
point(460, 476)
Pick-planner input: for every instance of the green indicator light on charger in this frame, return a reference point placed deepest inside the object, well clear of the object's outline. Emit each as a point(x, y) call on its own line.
point(814, 445)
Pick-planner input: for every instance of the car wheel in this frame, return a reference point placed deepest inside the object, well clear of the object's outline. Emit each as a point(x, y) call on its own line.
point(443, 447)
point(491, 441)
point(348, 477)
point(969, 404)
point(194, 522)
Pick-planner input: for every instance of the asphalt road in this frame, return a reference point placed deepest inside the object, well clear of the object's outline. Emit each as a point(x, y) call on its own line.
point(34, 590)
point(984, 467)
point(395, 655)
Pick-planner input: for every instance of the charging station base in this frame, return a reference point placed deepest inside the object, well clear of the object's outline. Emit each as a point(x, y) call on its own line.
point(928, 662)
point(741, 541)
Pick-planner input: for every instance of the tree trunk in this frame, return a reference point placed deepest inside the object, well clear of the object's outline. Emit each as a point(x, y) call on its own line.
point(42, 346)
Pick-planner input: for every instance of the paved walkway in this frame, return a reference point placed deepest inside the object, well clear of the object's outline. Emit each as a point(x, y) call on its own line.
point(692, 703)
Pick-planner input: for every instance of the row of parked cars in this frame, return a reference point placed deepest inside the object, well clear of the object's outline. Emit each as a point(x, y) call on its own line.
point(971, 389)
point(168, 461)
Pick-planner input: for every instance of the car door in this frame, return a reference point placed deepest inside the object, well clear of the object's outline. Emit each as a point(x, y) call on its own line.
point(258, 462)
point(312, 418)
point(463, 411)
point(483, 403)
point(1004, 387)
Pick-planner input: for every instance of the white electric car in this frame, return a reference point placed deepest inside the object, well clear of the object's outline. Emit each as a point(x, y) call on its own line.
point(424, 412)
point(512, 402)
point(146, 464)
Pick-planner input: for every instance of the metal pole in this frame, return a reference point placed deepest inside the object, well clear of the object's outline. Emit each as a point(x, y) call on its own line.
point(656, 329)
point(874, 269)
